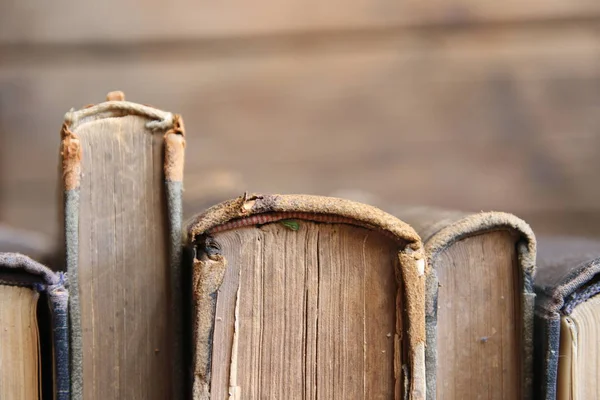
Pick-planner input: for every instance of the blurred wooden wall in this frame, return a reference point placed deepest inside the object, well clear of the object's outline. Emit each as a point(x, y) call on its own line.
point(475, 105)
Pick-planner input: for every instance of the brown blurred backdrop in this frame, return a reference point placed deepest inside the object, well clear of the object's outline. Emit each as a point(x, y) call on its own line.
point(474, 105)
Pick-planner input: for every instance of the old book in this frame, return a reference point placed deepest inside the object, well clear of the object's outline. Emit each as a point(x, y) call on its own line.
point(34, 350)
point(567, 319)
point(305, 297)
point(122, 166)
point(479, 303)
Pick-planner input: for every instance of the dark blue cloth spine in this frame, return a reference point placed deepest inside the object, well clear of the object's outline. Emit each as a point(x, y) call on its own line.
point(58, 298)
point(547, 343)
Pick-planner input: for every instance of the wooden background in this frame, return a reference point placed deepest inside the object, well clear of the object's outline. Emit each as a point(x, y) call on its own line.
point(474, 105)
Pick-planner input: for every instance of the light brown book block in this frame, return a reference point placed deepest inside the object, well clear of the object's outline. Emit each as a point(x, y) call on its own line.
point(305, 297)
point(122, 167)
point(479, 303)
point(19, 343)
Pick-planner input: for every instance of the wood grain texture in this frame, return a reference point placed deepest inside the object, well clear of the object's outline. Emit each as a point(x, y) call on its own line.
point(493, 112)
point(478, 319)
point(478, 119)
point(123, 262)
point(35, 21)
point(316, 313)
point(19, 343)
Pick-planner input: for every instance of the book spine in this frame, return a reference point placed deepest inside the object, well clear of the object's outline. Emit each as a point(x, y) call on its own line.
point(173, 170)
point(527, 311)
point(431, 306)
point(547, 336)
point(71, 174)
point(58, 297)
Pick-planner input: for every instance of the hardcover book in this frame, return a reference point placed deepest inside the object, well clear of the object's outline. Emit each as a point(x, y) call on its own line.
point(122, 168)
point(568, 319)
point(34, 342)
point(311, 297)
point(479, 303)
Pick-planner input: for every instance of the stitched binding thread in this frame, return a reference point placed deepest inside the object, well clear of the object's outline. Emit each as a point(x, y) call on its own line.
point(62, 282)
point(161, 120)
point(261, 219)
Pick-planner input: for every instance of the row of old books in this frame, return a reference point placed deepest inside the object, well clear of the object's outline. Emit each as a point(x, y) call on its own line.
point(282, 296)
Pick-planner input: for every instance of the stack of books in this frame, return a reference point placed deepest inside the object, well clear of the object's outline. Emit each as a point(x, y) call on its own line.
point(282, 296)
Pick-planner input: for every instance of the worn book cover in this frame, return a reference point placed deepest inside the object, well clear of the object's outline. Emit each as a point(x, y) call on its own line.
point(479, 303)
point(567, 318)
point(34, 350)
point(122, 169)
point(298, 296)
